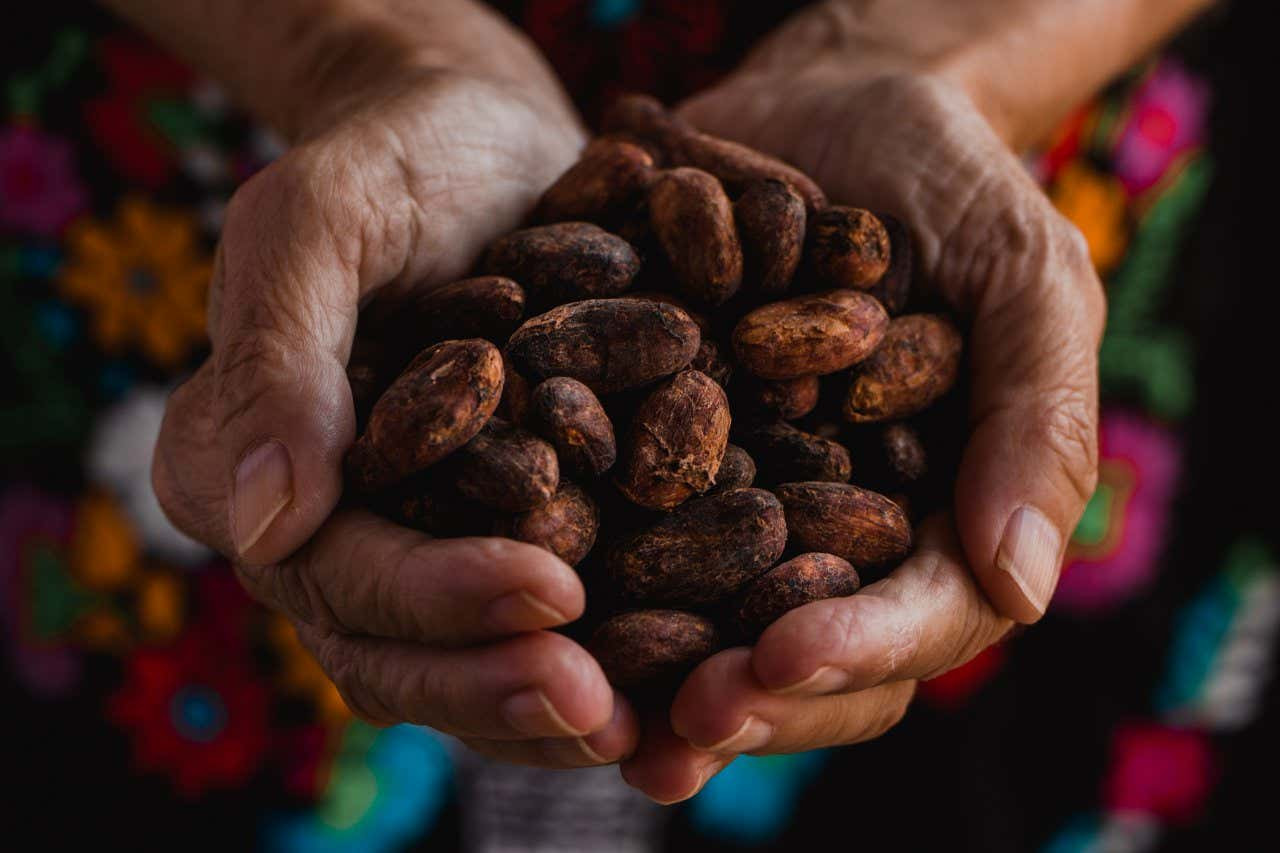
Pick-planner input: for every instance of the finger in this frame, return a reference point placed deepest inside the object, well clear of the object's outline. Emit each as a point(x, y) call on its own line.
point(362, 574)
point(1031, 462)
point(536, 685)
point(722, 708)
point(665, 768)
point(616, 741)
point(927, 617)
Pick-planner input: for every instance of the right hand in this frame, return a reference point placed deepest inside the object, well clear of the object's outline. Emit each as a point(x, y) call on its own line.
point(401, 193)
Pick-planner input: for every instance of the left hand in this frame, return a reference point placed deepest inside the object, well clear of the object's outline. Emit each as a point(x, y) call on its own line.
point(876, 133)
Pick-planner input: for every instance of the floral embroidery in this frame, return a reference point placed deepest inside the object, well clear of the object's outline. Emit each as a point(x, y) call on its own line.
point(143, 277)
point(39, 189)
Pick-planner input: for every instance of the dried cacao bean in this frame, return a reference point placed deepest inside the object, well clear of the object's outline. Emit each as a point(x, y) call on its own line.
point(435, 406)
point(566, 413)
point(703, 551)
point(863, 527)
point(848, 247)
point(894, 287)
point(693, 221)
point(737, 470)
point(808, 335)
point(648, 646)
point(566, 525)
point(565, 261)
point(771, 226)
point(676, 442)
point(916, 363)
point(795, 583)
point(508, 468)
point(607, 344)
point(601, 187)
point(783, 453)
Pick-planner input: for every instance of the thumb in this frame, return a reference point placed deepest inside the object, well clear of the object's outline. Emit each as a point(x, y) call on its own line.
point(284, 306)
point(1031, 462)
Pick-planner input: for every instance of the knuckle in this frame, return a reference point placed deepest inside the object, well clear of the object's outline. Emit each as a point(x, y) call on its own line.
point(347, 665)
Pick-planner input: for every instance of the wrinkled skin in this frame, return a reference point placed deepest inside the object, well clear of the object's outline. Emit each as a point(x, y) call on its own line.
point(399, 194)
point(914, 145)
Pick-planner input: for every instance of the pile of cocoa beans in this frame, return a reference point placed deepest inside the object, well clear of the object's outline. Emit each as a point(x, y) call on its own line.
point(669, 380)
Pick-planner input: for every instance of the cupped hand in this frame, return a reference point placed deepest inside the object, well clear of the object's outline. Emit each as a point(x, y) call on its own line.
point(398, 190)
point(878, 132)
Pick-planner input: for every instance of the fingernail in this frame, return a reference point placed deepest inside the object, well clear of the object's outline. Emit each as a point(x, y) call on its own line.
point(1030, 552)
point(752, 735)
point(530, 712)
point(592, 756)
point(825, 679)
point(693, 792)
point(522, 611)
point(263, 487)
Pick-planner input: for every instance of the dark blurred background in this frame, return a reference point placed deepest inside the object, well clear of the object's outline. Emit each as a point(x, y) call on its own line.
point(148, 703)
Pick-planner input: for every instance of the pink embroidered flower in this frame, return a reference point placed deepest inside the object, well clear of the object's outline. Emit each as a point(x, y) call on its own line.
point(39, 189)
point(1166, 119)
point(1115, 548)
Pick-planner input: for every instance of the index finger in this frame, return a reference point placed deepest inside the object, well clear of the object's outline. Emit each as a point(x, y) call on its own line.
point(928, 616)
point(364, 575)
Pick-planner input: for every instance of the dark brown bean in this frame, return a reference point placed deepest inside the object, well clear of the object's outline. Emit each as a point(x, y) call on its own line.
point(783, 454)
point(507, 468)
point(566, 525)
point(607, 180)
point(607, 344)
point(808, 335)
point(703, 551)
point(795, 583)
point(916, 363)
point(848, 247)
point(894, 288)
point(435, 406)
point(647, 646)
point(568, 260)
point(676, 442)
point(771, 225)
point(737, 470)
point(863, 527)
point(693, 221)
point(785, 398)
point(566, 413)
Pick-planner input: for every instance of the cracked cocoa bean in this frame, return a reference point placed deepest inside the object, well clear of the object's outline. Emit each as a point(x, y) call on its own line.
point(916, 363)
point(847, 247)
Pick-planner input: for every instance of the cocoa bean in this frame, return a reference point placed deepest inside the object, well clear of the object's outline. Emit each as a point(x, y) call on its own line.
point(771, 225)
point(783, 453)
point(514, 405)
point(795, 583)
point(863, 527)
point(676, 442)
point(648, 646)
point(737, 470)
point(565, 261)
point(808, 335)
point(507, 468)
point(703, 551)
point(848, 247)
point(566, 413)
point(693, 220)
point(784, 398)
point(916, 363)
point(434, 407)
point(607, 344)
point(737, 166)
point(894, 287)
point(601, 187)
point(488, 307)
point(712, 361)
point(566, 525)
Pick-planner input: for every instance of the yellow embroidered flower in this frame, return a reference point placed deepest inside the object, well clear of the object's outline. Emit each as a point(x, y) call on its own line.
point(105, 554)
point(1096, 203)
point(143, 277)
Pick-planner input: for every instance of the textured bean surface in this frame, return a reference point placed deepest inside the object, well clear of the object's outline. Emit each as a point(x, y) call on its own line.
point(570, 416)
point(435, 406)
point(676, 441)
point(693, 221)
point(809, 335)
point(566, 525)
point(607, 344)
point(608, 178)
point(568, 260)
point(645, 646)
point(508, 468)
point(783, 453)
point(916, 363)
point(737, 470)
point(771, 226)
point(864, 527)
point(487, 307)
point(703, 551)
point(848, 247)
point(894, 287)
point(795, 583)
